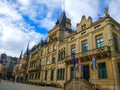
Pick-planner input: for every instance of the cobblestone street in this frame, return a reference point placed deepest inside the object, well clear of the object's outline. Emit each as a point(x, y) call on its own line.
point(18, 86)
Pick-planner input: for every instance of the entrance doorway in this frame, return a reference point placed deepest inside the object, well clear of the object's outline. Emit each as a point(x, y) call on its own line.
point(86, 72)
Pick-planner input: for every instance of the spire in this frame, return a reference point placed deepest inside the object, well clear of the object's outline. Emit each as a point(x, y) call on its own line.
point(21, 55)
point(62, 20)
point(27, 50)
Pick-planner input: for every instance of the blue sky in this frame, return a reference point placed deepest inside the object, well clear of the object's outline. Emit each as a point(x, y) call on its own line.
point(24, 20)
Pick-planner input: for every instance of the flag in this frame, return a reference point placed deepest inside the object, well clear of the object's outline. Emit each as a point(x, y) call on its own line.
point(94, 61)
point(79, 64)
point(73, 60)
point(98, 14)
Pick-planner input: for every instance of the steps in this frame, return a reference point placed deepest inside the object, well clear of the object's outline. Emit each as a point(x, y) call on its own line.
point(75, 85)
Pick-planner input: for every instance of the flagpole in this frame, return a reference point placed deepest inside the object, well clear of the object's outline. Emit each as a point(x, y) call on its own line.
point(74, 80)
point(79, 79)
point(73, 61)
point(94, 77)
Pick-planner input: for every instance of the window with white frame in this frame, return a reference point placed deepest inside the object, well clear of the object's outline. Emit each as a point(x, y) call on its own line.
point(73, 49)
point(99, 41)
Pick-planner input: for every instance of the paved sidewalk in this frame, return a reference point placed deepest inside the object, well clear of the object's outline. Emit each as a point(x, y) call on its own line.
point(19, 86)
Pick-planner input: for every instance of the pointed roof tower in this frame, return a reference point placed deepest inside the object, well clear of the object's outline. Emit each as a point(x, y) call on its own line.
point(27, 50)
point(21, 55)
point(62, 20)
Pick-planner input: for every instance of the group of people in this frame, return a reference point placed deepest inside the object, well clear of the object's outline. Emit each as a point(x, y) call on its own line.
point(8, 80)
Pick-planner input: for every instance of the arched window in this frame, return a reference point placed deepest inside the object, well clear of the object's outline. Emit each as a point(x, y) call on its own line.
point(83, 26)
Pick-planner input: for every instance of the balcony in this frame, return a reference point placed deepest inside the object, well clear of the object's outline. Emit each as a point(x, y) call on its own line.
point(33, 59)
point(21, 71)
point(87, 56)
point(36, 68)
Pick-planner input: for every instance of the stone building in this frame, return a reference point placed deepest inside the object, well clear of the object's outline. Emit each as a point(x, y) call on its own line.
point(3, 62)
point(7, 64)
point(51, 61)
point(11, 62)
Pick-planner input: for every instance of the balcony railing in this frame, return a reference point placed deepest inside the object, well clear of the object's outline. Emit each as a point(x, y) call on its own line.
point(21, 71)
point(98, 52)
point(38, 67)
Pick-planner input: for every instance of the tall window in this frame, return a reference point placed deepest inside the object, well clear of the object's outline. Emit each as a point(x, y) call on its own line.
point(54, 47)
point(41, 52)
point(47, 60)
point(48, 49)
point(52, 74)
point(59, 56)
point(45, 75)
point(99, 42)
point(73, 49)
point(58, 78)
point(115, 44)
point(53, 60)
point(102, 70)
point(38, 75)
point(72, 72)
point(61, 74)
point(62, 54)
point(40, 63)
point(35, 75)
point(119, 68)
point(84, 46)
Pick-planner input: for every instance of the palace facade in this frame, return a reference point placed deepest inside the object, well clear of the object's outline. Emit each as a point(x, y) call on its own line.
point(51, 60)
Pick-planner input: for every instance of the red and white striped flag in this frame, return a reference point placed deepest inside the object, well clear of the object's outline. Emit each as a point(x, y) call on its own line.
point(79, 64)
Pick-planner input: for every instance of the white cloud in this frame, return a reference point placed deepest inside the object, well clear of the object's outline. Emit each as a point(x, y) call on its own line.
point(77, 8)
point(14, 31)
point(114, 7)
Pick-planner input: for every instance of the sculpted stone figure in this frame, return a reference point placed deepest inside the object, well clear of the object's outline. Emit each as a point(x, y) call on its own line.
point(106, 11)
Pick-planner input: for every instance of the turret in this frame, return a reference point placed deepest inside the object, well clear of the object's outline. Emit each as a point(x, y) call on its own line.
point(64, 21)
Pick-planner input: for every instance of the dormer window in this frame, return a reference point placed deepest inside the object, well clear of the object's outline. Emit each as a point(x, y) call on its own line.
point(83, 27)
point(96, 27)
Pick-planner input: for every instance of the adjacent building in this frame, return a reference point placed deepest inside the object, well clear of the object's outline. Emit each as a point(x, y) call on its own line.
point(3, 61)
point(7, 64)
point(51, 60)
point(11, 62)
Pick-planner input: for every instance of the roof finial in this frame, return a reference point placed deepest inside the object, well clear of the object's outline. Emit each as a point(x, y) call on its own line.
point(106, 11)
